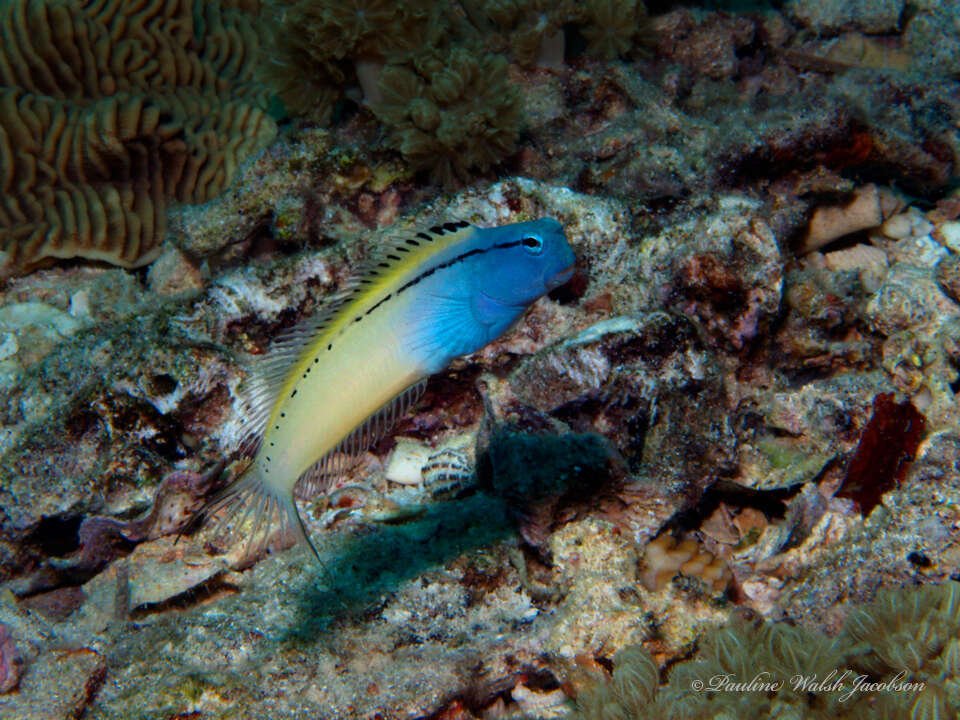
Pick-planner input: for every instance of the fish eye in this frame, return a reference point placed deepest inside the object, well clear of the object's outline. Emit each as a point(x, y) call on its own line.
point(532, 244)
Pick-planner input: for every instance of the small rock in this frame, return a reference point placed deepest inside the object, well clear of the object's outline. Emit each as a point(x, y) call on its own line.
point(33, 329)
point(898, 227)
point(866, 209)
point(173, 274)
point(948, 276)
point(407, 461)
point(80, 306)
point(11, 662)
point(60, 684)
point(157, 571)
point(948, 234)
point(870, 261)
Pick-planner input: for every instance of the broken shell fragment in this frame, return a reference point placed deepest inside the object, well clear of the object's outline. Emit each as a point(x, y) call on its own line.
point(867, 208)
point(870, 261)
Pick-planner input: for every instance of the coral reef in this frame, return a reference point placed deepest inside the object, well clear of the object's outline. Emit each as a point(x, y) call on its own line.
point(709, 426)
point(120, 108)
point(437, 81)
point(869, 16)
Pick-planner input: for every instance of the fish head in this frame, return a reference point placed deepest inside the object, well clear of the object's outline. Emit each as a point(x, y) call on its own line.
point(536, 258)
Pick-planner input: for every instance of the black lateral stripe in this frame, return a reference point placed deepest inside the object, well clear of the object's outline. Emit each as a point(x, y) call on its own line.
point(454, 261)
point(437, 229)
point(431, 271)
point(381, 302)
point(422, 235)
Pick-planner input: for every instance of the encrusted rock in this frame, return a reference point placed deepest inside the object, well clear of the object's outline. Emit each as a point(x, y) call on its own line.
point(173, 274)
point(58, 684)
point(908, 298)
point(830, 16)
point(948, 276)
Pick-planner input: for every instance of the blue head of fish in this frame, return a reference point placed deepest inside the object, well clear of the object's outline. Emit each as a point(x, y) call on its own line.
point(532, 259)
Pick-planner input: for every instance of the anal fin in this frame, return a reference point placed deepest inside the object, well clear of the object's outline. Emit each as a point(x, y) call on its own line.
point(336, 462)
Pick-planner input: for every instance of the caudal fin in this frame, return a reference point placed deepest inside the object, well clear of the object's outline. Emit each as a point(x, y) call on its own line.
point(248, 511)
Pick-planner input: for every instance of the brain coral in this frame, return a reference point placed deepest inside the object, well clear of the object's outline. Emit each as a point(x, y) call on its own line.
point(450, 112)
point(108, 110)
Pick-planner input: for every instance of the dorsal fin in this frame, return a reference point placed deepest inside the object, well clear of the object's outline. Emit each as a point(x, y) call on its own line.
point(398, 249)
point(268, 372)
point(337, 461)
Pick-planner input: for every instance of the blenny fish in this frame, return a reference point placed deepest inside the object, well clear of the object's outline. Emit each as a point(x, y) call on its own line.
point(335, 383)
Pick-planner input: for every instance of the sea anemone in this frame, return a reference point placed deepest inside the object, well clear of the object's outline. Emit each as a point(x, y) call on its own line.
point(349, 28)
point(531, 31)
point(611, 26)
point(913, 631)
point(324, 44)
point(450, 112)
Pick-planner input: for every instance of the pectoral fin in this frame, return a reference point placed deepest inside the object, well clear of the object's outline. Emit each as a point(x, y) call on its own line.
point(445, 328)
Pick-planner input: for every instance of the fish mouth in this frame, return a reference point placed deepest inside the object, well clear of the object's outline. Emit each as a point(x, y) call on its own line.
point(561, 277)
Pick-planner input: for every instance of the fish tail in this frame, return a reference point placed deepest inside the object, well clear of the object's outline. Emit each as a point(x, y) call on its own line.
point(293, 516)
point(251, 509)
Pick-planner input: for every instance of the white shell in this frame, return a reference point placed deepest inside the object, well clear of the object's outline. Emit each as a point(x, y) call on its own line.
point(407, 461)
